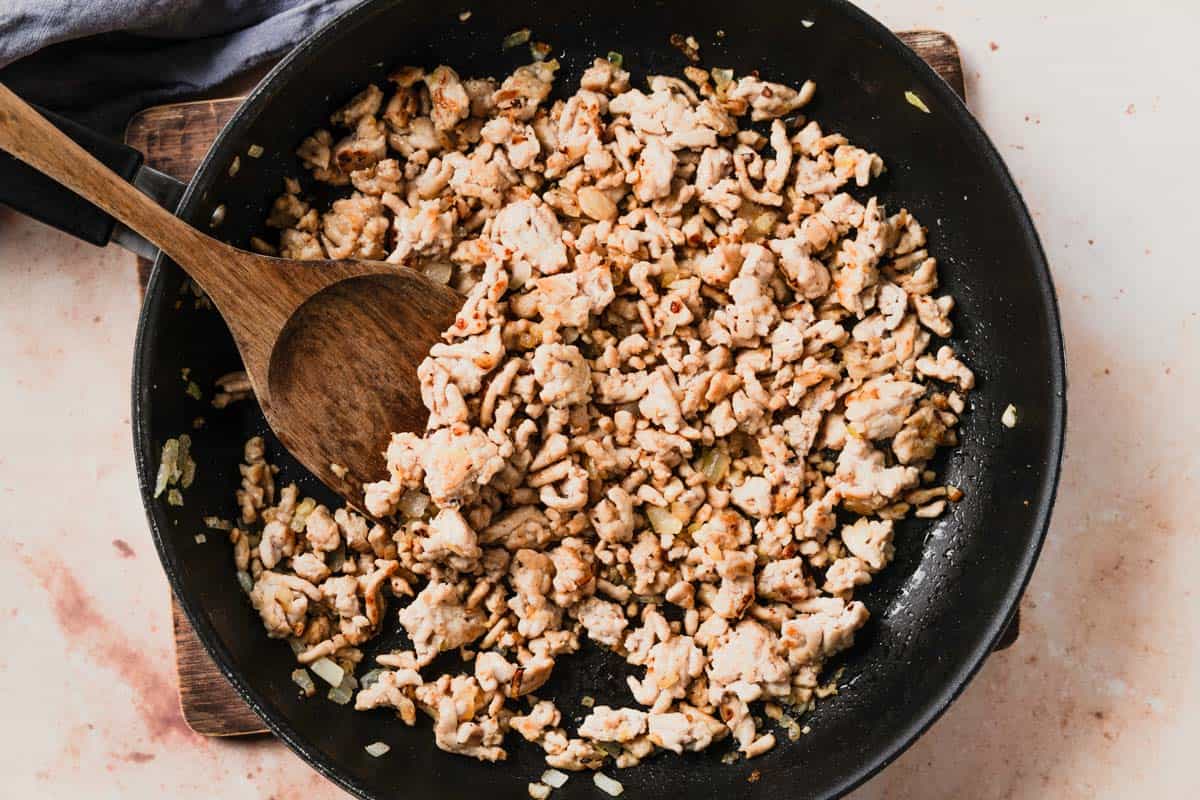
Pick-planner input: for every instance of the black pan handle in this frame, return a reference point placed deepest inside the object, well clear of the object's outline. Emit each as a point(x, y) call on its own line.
point(32, 193)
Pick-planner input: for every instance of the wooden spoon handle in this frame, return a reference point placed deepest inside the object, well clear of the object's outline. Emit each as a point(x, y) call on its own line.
point(30, 137)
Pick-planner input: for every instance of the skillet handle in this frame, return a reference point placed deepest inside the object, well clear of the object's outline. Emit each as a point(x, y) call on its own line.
point(32, 193)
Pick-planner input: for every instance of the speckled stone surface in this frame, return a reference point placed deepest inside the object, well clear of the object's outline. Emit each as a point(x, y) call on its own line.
point(1093, 106)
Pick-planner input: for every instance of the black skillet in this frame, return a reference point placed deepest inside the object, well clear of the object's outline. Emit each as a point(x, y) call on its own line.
point(936, 613)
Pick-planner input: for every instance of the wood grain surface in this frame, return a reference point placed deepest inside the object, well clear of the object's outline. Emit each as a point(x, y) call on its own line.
point(175, 138)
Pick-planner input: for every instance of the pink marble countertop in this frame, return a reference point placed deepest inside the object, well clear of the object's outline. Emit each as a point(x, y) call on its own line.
point(1093, 106)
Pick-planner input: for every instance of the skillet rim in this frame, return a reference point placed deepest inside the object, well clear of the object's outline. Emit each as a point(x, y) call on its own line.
point(961, 118)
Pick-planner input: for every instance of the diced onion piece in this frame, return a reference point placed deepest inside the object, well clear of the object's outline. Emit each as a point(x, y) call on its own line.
point(615, 58)
point(607, 784)
point(714, 464)
point(916, 102)
point(377, 749)
point(764, 223)
point(167, 466)
point(330, 672)
point(587, 701)
point(516, 39)
point(201, 538)
point(371, 678)
point(662, 521)
point(302, 679)
point(539, 791)
point(300, 515)
point(413, 504)
point(808, 23)
point(342, 695)
point(791, 727)
point(439, 272)
point(185, 465)
point(1009, 418)
point(610, 748)
point(554, 778)
point(254, 150)
point(337, 558)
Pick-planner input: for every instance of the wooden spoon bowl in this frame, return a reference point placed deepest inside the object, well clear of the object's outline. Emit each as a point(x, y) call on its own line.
point(331, 348)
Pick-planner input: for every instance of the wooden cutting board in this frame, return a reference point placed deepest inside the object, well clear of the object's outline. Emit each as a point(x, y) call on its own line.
point(175, 138)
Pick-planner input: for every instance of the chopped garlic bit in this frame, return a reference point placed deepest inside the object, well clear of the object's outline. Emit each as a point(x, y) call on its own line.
point(254, 151)
point(808, 23)
point(201, 538)
point(1009, 418)
point(607, 784)
point(915, 101)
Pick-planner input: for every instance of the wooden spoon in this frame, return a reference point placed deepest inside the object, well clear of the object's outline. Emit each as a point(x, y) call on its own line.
point(331, 347)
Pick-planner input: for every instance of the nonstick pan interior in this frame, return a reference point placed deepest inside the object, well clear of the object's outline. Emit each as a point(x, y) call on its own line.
point(935, 612)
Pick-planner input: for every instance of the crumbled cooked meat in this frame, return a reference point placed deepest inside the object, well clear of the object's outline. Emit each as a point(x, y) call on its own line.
point(768, 100)
point(946, 367)
point(604, 621)
point(871, 541)
point(685, 729)
point(562, 373)
point(457, 461)
point(451, 105)
point(606, 724)
point(671, 665)
point(393, 689)
point(691, 376)
point(437, 620)
point(863, 479)
point(879, 408)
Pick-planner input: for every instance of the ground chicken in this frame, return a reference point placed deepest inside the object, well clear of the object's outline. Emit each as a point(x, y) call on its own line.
point(687, 395)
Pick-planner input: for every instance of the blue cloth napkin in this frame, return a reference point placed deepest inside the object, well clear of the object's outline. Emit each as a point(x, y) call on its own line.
point(100, 61)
